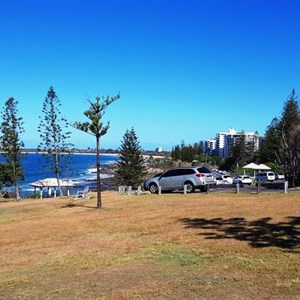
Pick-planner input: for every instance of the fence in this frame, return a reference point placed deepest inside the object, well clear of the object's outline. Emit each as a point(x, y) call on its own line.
point(258, 188)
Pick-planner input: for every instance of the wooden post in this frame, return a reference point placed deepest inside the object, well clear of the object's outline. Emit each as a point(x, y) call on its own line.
point(207, 188)
point(258, 187)
point(237, 188)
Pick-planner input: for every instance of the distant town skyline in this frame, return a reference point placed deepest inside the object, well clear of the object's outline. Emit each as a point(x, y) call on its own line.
point(185, 69)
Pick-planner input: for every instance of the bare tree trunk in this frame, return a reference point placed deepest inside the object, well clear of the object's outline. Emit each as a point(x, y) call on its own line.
point(15, 178)
point(17, 191)
point(99, 202)
point(58, 184)
point(56, 162)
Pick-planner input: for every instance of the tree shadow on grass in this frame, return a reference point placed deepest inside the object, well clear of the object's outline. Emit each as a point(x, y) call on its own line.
point(258, 234)
point(72, 205)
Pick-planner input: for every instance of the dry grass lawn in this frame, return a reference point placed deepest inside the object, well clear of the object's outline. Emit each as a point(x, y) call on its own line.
point(172, 246)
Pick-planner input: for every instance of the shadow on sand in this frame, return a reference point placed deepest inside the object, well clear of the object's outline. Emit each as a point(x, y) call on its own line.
point(258, 234)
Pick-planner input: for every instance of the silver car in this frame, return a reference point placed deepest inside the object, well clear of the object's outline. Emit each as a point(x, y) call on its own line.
point(175, 179)
point(245, 179)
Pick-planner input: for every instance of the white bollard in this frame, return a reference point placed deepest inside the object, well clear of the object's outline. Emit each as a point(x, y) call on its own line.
point(120, 189)
point(159, 190)
point(184, 188)
point(129, 188)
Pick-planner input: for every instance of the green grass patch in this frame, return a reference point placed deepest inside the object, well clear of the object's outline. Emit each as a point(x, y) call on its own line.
point(177, 257)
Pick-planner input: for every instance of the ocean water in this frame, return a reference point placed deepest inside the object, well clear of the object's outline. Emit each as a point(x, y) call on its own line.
point(79, 165)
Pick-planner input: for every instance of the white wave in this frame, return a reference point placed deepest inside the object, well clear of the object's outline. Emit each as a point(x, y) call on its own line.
point(106, 176)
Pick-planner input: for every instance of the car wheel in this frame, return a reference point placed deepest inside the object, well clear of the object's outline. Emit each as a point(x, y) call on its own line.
point(153, 188)
point(190, 188)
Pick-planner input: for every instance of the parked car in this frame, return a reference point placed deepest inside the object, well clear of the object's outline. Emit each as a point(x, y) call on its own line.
point(219, 180)
point(224, 179)
point(175, 179)
point(227, 179)
point(265, 176)
point(279, 176)
point(245, 179)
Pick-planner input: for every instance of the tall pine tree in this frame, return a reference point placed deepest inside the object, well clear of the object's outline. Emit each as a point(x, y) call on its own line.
point(288, 132)
point(11, 144)
point(96, 128)
point(131, 169)
point(53, 132)
point(270, 145)
point(282, 140)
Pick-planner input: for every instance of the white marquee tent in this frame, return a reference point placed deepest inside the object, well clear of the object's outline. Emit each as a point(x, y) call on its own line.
point(254, 166)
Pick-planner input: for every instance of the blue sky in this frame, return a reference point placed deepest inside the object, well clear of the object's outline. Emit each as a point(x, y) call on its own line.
point(185, 69)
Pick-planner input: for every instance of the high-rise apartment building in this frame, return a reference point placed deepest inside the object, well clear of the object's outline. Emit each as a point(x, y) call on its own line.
point(222, 145)
point(209, 147)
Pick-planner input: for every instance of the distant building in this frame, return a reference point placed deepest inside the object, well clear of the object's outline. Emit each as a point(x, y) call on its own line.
point(209, 147)
point(159, 149)
point(222, 145)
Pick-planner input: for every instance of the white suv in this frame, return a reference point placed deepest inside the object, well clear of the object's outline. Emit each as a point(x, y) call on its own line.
point(265, 176)
point(175, 179)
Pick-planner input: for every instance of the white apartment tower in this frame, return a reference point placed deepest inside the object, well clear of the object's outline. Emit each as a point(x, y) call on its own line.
point(232, 137)
point(209, 147)
point(225, 140)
